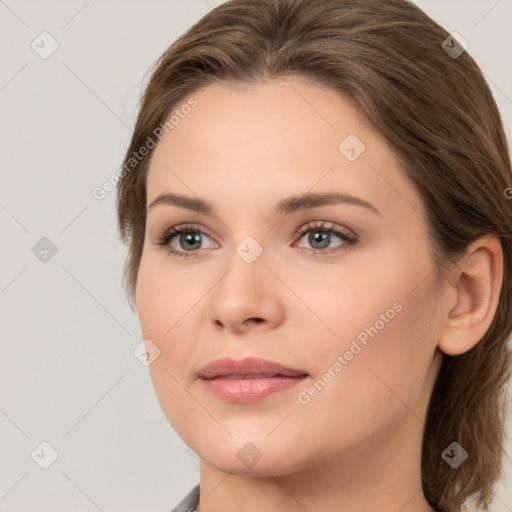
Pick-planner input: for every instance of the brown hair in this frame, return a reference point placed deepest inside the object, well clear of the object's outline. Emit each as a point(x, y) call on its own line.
point(440, 118)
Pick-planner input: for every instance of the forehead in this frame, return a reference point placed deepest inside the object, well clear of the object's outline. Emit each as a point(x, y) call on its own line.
point(276, 138)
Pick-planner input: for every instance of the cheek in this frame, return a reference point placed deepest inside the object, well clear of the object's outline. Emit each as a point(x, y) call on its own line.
point(164, 297)
point(167, 309)
point(383, 317)
point(387, 344)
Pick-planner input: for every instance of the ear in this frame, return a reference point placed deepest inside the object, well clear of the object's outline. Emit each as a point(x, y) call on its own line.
point(473, 292)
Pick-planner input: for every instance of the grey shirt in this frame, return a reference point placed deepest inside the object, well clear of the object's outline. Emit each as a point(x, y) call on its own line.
point(190, 502)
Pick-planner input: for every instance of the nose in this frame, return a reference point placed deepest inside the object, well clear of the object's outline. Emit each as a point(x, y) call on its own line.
point(247, 297)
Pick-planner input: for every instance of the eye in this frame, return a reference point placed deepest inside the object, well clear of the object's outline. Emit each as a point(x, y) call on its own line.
point(320, 236)
point(188, 236)
point(189, 239)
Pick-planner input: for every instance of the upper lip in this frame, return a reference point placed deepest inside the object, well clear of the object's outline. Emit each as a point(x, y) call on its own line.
point(252, 366)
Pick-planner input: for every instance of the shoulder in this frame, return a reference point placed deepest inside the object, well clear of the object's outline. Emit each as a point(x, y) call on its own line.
point(190, 502)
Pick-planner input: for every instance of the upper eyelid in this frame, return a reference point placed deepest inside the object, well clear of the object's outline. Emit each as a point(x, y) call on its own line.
point(313, 224)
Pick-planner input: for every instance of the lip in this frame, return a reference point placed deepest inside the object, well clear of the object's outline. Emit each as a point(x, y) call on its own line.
point(249, 379)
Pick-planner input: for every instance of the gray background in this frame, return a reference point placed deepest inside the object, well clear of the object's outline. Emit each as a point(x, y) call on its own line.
point(68, 373)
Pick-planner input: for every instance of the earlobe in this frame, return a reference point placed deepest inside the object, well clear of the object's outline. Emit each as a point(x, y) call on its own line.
point(476, 288)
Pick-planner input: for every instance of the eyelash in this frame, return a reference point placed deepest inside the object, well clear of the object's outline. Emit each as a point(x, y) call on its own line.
point(165, 239)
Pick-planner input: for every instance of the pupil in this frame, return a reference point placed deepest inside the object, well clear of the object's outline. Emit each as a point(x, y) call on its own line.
point(322, 237)
point(192, 238)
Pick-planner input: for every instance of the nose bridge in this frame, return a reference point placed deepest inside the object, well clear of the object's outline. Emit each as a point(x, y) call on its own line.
point(250, 250)
point(246, 270)
point(244, 291)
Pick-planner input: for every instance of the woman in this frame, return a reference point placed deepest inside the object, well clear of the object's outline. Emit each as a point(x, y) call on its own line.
point(316, 200)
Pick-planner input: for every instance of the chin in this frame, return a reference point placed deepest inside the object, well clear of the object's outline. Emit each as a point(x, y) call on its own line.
point(249, 456)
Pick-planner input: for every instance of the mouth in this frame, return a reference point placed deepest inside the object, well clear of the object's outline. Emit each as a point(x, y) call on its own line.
point(248, 380)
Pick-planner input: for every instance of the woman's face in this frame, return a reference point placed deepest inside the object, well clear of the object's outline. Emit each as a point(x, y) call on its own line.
point(357, 313)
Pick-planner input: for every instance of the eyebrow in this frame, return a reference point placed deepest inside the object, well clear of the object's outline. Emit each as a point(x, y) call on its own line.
point(285, 206)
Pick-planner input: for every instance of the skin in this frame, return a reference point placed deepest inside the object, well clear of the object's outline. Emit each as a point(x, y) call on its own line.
point(357, 444)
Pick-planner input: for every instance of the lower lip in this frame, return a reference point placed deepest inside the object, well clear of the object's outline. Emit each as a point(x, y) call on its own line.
point(251, 389)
